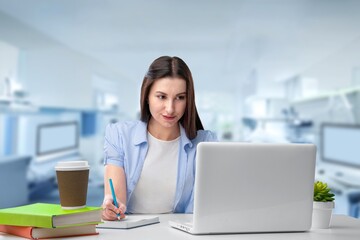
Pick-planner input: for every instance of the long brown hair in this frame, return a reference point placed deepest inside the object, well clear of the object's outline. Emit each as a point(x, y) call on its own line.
point(173, 67)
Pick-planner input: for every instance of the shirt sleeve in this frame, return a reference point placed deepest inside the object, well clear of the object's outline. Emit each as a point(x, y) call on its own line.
point(113, 147)
point(212, 137)
point(207, 136)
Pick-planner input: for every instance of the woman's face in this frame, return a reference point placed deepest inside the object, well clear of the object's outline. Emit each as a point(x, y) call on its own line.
point(167, 101)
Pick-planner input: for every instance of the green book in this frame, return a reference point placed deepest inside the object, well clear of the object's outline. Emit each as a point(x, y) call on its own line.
point(47, 215)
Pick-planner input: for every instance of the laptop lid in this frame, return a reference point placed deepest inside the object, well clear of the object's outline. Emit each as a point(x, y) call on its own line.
point(253, 187)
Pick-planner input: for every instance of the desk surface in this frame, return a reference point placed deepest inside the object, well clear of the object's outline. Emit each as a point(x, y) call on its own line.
point(342, 228)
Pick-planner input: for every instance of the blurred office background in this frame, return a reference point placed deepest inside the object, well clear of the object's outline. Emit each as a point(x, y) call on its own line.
point(265, 71)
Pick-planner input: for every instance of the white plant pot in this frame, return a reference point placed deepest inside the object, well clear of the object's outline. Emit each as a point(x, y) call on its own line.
point(322, 212)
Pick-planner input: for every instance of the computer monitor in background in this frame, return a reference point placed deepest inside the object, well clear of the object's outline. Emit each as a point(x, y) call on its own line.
point(340, 153)
point(340, 144)
point(56, 139)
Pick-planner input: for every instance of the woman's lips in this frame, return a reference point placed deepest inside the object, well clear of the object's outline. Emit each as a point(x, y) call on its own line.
point(168, 117)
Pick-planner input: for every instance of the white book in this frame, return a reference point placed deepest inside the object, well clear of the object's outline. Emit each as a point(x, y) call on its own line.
point(130, 221)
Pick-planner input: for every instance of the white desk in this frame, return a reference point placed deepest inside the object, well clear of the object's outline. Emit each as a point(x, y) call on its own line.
point(342, 228)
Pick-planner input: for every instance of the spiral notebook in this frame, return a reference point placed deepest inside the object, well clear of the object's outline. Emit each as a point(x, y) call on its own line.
point(130, 221)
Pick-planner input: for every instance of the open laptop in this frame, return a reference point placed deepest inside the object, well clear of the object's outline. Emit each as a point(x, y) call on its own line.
point(252, 187)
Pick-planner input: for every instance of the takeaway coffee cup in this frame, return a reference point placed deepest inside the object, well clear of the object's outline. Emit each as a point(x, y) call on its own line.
point(73, 178)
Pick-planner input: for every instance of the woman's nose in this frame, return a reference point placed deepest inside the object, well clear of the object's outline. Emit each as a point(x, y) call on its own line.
point(169, 107)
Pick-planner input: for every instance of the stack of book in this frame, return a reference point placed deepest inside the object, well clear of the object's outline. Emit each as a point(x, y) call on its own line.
point(44, 220)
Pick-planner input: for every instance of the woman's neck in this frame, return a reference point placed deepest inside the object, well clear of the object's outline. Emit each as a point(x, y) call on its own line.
point(163, 133)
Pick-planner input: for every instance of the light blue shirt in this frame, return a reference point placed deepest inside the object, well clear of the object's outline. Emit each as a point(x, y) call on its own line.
point(126, 146)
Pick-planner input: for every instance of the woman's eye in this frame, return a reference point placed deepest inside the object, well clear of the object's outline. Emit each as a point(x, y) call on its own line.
point(161, 96)
point(180, 98)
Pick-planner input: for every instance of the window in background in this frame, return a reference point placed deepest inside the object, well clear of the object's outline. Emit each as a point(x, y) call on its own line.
point(105, 93)
point(256, 107)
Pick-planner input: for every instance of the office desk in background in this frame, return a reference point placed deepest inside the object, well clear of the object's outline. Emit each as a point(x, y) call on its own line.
point(342, 228)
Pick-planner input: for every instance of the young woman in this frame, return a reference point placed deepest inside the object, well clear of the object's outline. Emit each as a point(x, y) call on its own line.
point(152, 161)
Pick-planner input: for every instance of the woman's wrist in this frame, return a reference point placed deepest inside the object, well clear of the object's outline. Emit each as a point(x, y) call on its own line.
point(108, 197)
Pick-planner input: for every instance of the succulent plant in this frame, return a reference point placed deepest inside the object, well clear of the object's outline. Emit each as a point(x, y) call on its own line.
point(322, 192)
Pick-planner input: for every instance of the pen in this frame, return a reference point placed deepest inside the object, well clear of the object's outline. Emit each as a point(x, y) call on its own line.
point(114, 196)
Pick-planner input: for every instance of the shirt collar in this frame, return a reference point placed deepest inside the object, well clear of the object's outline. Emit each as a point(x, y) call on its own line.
point(140, 133)
point(184, 139)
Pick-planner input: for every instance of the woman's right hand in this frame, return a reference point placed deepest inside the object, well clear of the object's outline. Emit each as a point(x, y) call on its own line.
point(110, 211)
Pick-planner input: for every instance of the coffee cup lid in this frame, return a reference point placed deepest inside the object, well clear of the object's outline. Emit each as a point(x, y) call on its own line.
point(72, 165)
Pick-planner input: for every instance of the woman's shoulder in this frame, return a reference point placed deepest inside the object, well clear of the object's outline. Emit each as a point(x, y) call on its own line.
point(206, 135)
point(126, 126)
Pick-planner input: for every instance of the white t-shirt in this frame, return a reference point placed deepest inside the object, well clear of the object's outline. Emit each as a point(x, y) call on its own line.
point(155, 190)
